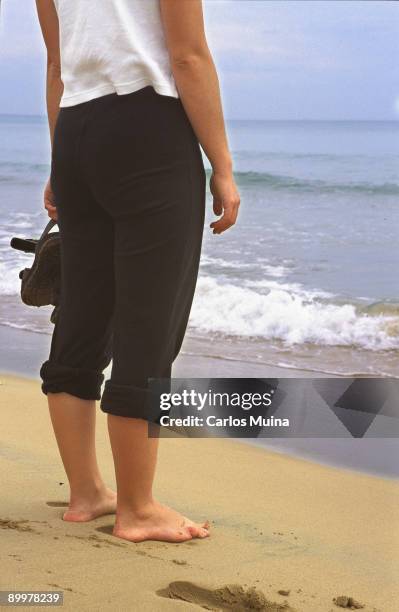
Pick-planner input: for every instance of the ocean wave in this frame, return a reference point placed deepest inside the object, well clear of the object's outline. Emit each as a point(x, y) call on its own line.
point(349, 157)
point(293, 288)
point(27, 173)
point(271, 310)
point(290, 316)
point(23, 172)
point(216, 264)
point(279, 182)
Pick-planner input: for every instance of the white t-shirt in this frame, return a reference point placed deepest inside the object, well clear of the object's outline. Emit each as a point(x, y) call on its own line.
point(112, 46)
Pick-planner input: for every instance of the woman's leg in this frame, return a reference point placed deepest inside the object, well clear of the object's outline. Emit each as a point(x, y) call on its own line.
point(150, 178)
point(74, 421)
point(139, 516)
point(81, 345)
point(80, 350)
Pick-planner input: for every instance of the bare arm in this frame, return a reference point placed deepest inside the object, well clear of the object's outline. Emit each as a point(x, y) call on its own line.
point(49, 24)
point(198, 86)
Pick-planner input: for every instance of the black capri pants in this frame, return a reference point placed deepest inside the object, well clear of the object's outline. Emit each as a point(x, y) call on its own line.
point(129, 185)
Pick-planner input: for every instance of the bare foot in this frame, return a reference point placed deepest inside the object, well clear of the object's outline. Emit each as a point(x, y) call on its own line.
point(82, 510)
point(158, 522)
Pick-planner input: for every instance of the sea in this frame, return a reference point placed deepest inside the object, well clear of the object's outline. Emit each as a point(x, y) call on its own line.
point(307, 280)
point(308, 277)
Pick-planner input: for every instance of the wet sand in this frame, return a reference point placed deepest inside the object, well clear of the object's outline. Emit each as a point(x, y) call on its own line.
point(287, 533)
point(26, 350)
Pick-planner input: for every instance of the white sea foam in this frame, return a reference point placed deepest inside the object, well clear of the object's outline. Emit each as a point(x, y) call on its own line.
point(262, 264)
point(20, 224)
point(206, 260)
point(295, 288)
point(276, 271)
point(289, 316)
point(269, 309)
point(31, 327)
point(10, 283)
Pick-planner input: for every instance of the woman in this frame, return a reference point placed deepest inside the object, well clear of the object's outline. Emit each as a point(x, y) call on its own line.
point(131, 92)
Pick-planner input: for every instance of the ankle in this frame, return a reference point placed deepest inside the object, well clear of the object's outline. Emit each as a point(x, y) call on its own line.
point(138, 511)
point(87, 490)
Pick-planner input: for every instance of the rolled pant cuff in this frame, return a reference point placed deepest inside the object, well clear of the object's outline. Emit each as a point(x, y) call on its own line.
point(129, 401)
point(58, 378)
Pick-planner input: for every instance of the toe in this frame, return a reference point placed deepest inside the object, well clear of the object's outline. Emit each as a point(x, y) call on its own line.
point(198, 532)
point(190, 523)
point(184, 534)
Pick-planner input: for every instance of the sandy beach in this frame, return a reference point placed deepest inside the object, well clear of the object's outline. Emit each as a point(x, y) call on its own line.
point(312, 532)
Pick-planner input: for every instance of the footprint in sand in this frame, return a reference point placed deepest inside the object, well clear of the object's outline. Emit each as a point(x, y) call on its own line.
point(57, 504)
point(179, 562)
point(17, 525)
point(63, 588)
point(95, 539)
point(342, 601)
point(229, 597)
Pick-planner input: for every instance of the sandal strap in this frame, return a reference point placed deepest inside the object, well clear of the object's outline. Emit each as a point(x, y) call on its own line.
point(48, 227)
point(45, 232)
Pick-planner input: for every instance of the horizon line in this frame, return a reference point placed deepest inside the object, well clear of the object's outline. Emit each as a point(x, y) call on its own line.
point(41, 116)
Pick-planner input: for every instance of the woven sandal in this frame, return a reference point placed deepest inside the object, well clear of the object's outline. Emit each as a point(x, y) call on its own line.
point(40, 284)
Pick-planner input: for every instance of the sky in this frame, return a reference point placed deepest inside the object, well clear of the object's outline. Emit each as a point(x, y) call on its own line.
point(283, 59)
